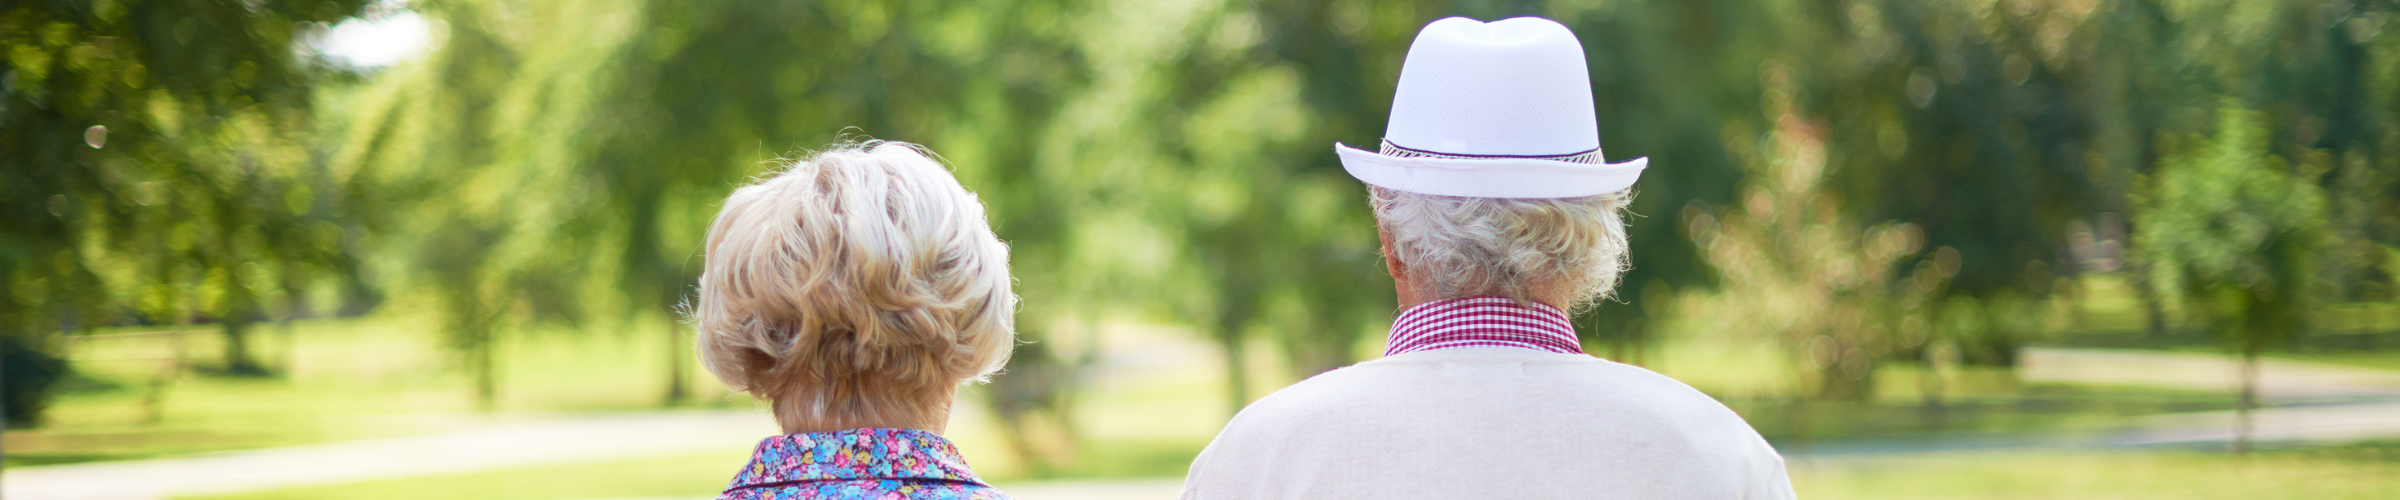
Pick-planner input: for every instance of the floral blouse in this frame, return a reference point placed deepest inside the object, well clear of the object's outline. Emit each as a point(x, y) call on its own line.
point(858, 463)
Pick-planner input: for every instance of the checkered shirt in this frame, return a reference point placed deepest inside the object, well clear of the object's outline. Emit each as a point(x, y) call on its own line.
point(1480, 322)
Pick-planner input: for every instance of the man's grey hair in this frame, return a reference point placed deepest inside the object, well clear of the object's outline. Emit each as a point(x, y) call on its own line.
point(1562, 251)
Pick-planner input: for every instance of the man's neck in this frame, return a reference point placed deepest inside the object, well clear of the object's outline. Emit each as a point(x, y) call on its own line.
point(1411, 299)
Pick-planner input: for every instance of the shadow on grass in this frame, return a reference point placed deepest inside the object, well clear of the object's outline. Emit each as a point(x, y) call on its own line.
point(2035, 408)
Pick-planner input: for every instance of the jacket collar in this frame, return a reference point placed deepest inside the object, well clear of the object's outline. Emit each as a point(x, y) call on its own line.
point(855, 454)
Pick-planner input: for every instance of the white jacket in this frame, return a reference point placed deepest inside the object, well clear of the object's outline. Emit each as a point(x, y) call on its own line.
point(1488, 422)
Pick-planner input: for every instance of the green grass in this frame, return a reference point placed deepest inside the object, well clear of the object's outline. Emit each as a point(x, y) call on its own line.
point(2368, 471)
point(387, 376)
point(339, 380)
point(2361, 472)
point(697, 476)
point(2033, 408)
point(691, 476)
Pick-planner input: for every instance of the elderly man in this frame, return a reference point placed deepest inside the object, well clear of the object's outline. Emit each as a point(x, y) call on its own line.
point(1497, 216)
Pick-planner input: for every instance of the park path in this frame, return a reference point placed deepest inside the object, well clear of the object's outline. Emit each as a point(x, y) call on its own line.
point(2315, 403)
point(2309, 403)
point(2280, 381)
point(548, 442)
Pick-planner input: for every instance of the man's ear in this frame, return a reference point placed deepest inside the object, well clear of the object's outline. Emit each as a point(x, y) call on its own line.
point(1391, 257)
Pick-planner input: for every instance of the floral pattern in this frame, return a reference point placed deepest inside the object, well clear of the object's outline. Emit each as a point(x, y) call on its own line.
point(858, 464)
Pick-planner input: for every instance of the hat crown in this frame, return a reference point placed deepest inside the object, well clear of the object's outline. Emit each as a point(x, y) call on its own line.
point(1514, 87)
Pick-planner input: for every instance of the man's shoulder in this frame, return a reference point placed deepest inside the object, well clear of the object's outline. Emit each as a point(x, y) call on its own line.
point(1488, 388)
point(1478, 374)
point(1592, 423)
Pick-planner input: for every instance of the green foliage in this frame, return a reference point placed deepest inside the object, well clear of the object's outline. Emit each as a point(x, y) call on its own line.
point(1793, 266)
point(561, 160)
point(2238, 234)
point(2237, 231)
point(159, 169)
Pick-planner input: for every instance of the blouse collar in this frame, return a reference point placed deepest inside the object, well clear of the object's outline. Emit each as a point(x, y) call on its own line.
point(855, 454)
point(1482, 321)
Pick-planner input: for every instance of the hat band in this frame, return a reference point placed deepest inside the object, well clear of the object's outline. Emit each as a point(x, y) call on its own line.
point(1397, 151)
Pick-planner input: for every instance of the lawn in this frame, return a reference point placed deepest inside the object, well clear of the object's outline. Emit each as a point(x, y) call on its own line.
point(385, 376)
point(694, 476)
point(2360, 471)
point(339, 380)
point(2369, 471)
point(1155, 401)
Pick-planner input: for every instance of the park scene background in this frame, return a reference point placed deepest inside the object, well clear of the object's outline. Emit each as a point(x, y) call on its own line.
point(1930, 249)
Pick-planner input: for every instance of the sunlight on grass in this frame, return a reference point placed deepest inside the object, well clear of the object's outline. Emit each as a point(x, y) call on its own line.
point(698, 476)
point(2341, 474)
point(1155, 399)
point(341, 380)
point(2338, 473)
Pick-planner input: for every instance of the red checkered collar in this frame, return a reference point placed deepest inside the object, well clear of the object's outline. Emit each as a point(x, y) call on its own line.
point(1483, 321)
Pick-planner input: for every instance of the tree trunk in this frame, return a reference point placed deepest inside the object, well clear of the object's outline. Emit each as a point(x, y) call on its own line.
point(238, 360)
point(1797, 424)
point(2246, 400)
point(1237, 373)
point(676, 386)
point(487, 391)
point(1931, 383)
point(2153, 307)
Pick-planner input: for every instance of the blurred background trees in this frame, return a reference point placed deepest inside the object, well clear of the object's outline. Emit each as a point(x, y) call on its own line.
point(161, 168)
point(2237, 234)
point(1899, 180)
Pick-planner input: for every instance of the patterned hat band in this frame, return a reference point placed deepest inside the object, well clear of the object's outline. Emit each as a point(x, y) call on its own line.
point(1397, 151)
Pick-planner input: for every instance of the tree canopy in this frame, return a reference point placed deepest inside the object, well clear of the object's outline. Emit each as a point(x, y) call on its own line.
point(161, 167)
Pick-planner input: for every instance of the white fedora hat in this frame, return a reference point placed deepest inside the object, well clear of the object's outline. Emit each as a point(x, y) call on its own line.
point(1493, 110)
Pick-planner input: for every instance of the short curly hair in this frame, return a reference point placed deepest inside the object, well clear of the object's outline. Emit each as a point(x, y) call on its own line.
point(1562, 251)
point(856, 286)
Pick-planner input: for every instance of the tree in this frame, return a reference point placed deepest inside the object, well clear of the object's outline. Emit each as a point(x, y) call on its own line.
point(1285, 237)
point(2237, 233)
point(1828, 288)
point(158, 168)
point(549, 148)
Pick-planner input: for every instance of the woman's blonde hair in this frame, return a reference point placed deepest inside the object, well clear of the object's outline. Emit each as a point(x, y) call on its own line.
point(857, 286)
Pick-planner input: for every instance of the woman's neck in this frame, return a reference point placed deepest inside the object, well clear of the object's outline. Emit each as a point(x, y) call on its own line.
point(816, 427)
point(935, 420)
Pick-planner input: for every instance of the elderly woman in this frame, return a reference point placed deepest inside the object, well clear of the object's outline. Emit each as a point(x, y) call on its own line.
point(855, 290)
point(1498, 215)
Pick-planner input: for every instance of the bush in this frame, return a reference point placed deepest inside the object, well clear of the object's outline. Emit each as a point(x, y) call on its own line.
point(28, 375)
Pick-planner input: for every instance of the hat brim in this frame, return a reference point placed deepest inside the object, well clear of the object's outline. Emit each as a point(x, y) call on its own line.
point(1489, 177)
